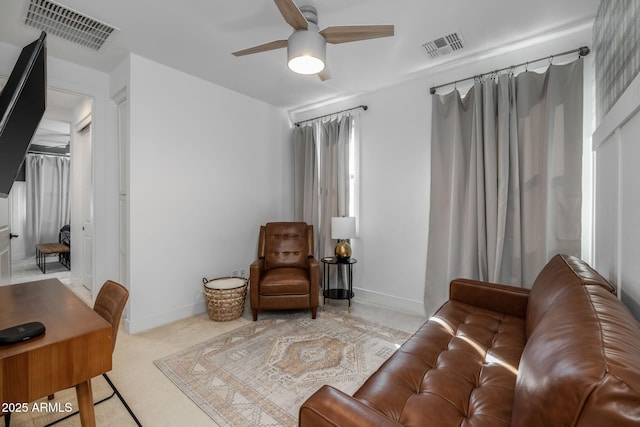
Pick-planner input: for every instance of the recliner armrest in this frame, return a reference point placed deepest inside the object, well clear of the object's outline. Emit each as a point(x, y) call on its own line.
point(314, 267)
point(256, 271)
point(314, 277)
point(506, 299)
point(256, 268)
point(331, 407)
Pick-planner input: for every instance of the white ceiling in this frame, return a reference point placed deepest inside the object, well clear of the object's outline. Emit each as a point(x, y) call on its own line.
point(197, 36)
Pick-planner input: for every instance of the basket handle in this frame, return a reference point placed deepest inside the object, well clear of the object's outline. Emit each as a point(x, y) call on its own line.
point(204, 280)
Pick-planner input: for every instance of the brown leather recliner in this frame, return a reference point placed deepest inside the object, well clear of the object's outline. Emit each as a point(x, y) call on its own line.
point(286, 274)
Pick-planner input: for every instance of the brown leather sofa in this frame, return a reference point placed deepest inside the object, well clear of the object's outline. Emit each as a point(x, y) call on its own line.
point(286, 275)
point(565, 353)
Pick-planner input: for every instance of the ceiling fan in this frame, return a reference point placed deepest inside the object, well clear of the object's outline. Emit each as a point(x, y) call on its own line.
point(306, 47)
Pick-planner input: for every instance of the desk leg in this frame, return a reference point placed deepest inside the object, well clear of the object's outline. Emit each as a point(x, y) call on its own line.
point(85, 404)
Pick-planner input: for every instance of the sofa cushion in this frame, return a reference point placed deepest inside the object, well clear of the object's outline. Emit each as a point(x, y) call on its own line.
point(561, 273)
point(458, 369)
point(579, 366)
point(286, 245)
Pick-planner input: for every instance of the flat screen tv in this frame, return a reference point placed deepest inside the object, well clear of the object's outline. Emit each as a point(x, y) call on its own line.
point(22, 104)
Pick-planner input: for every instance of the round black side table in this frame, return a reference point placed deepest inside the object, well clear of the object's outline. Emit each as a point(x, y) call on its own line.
point(337, 293)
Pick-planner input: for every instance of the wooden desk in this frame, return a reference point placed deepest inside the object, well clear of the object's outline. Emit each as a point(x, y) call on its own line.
point(75, 347)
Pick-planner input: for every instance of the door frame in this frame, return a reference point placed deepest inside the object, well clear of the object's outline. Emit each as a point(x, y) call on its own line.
point(5, 242)
point(82, 268)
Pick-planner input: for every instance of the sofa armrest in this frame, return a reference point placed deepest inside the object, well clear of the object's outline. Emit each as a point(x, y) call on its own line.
point(331, 407)
point(505, 299)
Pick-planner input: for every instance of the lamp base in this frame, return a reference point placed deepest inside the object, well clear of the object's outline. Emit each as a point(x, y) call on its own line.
point(343, 250)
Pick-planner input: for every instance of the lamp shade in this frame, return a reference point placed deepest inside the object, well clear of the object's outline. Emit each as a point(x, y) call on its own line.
point(306, 51)
point(343, 227)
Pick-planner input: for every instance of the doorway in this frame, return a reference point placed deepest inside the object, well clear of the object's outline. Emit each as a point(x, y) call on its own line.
point(66, 123)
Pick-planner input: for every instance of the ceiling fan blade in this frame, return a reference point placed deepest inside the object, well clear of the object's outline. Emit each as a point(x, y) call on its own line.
point(352, 33)
point(292, 14)
point(324, 74)
point(261, 48)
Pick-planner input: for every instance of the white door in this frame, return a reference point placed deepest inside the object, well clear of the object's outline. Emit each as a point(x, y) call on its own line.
point(87, 208)
point(5, 245)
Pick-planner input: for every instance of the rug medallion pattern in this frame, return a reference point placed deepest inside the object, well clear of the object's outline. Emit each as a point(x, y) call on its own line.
point(260, 374)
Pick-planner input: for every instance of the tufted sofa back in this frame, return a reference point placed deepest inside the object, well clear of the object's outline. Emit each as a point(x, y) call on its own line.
point(561, 273)
point(580, 364)
point(286, 244)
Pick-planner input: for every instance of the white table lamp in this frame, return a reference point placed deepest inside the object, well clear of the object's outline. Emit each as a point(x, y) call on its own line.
point(343, 228)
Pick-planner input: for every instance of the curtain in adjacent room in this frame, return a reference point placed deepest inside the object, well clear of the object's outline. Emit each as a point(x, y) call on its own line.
point(322, 179)
point(48, 208)
point(506, 169)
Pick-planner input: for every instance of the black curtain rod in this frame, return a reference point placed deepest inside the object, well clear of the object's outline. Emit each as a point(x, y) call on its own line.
point(584, 51)
point(364, 107)
point(48, 153)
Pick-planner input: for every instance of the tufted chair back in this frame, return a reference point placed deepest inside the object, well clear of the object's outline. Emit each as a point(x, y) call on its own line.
point(285, 244)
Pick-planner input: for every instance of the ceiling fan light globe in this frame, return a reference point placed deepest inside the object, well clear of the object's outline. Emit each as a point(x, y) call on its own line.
point(306, 52)
point(306, 65)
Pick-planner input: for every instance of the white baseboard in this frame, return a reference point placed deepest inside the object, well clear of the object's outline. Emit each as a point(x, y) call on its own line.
point(134, 326)
point(139, 325)
point(389, 301)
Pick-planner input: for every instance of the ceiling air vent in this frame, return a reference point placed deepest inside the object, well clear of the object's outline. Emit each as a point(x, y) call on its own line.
point(444, 45)
point(68, 24)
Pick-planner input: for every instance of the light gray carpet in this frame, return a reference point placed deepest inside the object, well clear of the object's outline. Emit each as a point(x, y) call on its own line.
point(43, 411)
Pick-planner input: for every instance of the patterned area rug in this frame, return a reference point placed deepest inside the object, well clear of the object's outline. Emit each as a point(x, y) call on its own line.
point(260, 374)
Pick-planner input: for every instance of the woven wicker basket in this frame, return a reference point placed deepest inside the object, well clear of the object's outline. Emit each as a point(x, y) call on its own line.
point(225, 297)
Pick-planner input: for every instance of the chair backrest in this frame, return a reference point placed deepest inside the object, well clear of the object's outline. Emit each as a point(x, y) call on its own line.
point(286, 244)
point(110, 303)
point(64, 236)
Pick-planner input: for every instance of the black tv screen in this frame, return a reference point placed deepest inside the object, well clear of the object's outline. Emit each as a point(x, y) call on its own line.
point(22, 103)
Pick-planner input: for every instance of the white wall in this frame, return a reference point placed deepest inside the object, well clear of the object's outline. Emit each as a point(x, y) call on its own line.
point(395, 164)
point(617, 205)
point(394, 205)
point(207, 167)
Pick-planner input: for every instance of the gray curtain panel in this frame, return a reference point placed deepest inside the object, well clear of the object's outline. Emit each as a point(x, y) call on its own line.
point(506, 173)
point(305, 175)
point(48, 208)
point(321, 175)
point(334, 177)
